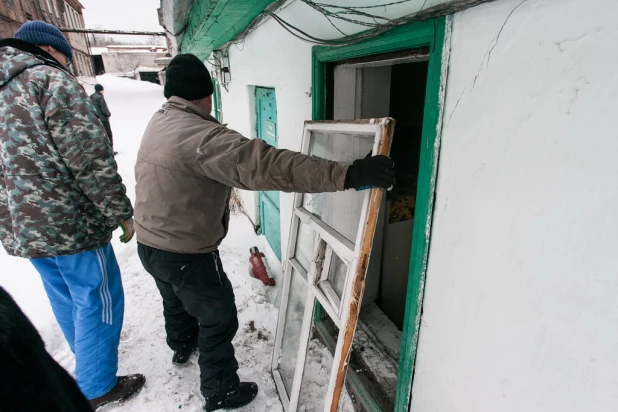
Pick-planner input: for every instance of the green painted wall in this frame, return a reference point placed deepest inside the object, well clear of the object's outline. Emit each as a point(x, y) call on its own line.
point(212, 23)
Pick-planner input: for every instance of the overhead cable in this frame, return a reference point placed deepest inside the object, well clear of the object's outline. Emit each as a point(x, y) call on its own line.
point(364, 7)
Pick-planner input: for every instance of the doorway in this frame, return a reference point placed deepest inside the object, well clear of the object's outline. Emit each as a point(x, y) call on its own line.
point(152, 77)
point(266, 129)
point(99, 67)
point(398, 75)
point(394, 86)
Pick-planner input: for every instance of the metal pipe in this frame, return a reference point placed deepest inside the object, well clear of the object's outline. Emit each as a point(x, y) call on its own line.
point(99, 31)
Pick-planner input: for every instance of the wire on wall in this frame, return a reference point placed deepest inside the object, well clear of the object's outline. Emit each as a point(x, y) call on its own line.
point(341, 13)
point(364, 7)
point(350, 14)
point(375, 28)
point(331, 12)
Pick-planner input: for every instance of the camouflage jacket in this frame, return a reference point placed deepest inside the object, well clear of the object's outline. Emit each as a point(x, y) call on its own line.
point(60, 192)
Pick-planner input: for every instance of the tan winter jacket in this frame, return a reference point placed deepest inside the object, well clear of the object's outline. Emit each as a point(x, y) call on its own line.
point(187, 165)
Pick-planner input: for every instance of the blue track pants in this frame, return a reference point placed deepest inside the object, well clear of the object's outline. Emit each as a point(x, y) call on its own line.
point(86, 295)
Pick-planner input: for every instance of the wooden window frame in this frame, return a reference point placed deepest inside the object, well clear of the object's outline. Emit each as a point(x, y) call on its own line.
point(328, 241)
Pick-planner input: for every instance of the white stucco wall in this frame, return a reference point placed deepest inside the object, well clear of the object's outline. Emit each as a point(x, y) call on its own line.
point(521, 303)
point(117, 62)
point(284, 64)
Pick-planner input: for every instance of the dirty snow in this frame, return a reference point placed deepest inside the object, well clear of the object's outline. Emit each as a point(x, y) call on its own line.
point(143, 348)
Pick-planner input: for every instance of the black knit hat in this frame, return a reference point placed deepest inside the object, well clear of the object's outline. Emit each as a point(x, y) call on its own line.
point(98, 87)
point(187, 78)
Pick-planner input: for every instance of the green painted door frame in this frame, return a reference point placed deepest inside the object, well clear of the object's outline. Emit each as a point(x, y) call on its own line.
point(432, 34)
point(266, 129)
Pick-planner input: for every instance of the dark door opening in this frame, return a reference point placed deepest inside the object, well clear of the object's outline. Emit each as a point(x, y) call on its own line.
point(152, 77)
point(407, 101)
point(99, 67)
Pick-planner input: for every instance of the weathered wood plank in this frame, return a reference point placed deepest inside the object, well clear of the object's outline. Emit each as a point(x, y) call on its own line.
point(349, 321)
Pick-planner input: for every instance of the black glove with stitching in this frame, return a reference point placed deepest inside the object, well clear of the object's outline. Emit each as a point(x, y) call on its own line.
point(376, 171)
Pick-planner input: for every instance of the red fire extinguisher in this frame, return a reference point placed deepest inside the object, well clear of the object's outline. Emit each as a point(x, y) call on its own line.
point(258, 268)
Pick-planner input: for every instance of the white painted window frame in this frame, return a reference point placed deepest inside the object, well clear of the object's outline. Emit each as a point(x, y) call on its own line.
point(327, 242)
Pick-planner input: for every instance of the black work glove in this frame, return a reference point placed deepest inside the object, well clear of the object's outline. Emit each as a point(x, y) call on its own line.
point(376, 171)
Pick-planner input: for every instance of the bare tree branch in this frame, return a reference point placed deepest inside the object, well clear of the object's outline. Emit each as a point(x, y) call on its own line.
point(131, 62)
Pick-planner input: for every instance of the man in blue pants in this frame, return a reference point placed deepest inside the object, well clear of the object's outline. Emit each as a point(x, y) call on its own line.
point(60, 200)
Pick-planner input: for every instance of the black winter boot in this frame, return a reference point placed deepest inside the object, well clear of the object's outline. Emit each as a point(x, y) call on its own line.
point(180, 358)
point(232, 399)
point(126, 387)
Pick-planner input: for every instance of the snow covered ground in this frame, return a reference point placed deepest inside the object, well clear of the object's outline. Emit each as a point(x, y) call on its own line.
point(143, 348)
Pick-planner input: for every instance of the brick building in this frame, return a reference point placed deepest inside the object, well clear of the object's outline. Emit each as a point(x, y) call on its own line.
point(61, 13)
point(74, 18)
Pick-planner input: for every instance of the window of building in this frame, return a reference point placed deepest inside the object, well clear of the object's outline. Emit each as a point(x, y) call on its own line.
point(56, 11)
point(86, 65)
point(43, 8)
point(67, 14)
point(81, 65)
point(76, 64)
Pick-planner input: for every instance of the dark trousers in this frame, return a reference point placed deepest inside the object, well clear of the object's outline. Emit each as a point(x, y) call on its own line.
point(198, 303)
point(108, 130)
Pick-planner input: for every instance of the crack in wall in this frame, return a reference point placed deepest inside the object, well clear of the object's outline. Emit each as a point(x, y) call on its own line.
point(581, 83)
point(486, 59)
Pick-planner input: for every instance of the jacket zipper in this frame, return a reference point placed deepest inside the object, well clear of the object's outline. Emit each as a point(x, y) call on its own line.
point(214, 255)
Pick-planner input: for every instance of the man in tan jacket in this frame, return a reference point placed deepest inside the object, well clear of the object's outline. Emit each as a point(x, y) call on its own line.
point(187, 166)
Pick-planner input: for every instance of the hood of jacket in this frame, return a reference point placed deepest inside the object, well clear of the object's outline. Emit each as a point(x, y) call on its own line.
point(17, 56)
